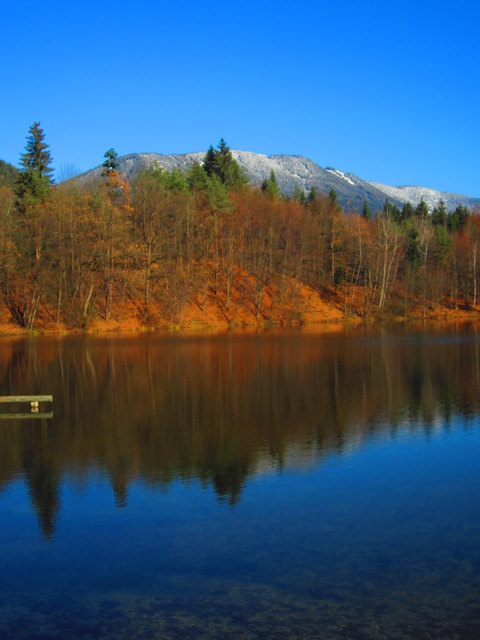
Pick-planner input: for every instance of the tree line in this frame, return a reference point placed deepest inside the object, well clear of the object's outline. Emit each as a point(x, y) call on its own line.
point(173, 238)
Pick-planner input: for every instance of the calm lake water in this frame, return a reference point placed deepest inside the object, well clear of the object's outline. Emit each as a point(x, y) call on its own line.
point(273, 486)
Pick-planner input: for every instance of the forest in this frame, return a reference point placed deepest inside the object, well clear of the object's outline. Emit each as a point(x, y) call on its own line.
point(84, 251)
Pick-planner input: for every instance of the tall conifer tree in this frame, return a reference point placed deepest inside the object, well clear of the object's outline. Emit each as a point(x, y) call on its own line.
point(221, 163)
point(35, 171)
point(210, 164)
point(111, 163)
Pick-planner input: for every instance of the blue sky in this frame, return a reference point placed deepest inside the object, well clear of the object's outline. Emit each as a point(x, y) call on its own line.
point(389, 91)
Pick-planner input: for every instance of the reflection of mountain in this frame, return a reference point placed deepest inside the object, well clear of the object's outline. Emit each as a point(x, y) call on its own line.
point(218, 409)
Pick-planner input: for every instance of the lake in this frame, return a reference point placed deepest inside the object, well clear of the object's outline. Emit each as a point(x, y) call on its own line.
point(243, 486)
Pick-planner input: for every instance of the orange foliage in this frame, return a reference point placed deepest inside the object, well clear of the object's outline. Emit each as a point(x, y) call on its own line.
point(166, 258)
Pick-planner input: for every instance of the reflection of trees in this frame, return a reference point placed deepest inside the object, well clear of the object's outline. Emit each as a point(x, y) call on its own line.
point(217, 409)
point(43, 488)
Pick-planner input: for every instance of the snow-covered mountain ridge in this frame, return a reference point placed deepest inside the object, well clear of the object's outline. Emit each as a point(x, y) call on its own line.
point(289, 170)
point(431, 196)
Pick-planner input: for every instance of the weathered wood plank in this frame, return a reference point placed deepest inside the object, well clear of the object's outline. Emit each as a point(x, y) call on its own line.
point(25, 416)
point(26, 399)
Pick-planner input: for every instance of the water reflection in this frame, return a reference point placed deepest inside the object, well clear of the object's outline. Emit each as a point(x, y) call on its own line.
point(220, 409)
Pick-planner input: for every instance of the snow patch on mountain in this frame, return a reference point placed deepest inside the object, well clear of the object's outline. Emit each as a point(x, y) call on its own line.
point(342, 175)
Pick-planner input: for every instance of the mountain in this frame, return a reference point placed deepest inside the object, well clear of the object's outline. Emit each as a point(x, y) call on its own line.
point(431, 196)
point(351, 190)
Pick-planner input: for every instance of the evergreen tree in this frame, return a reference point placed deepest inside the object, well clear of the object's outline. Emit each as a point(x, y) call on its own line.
point(35, 175)
point(421, 210)
point(458, 218)
point(299, 194)
point(392, 211)
point(413, 253)
point(333, 198)
point(174, 180)
point(221, 163)
point(111, 163)
point(217, 195)
point(210, 164)
point(366, 210)
point(234, 175)
point(224, 158)
point(396, 214)
point(407, 211)
point(270, 186)
point(338, 276)
point(312, 196)
point(442, 243)
point(32, 189)
point(197, 177)
point(439, 215)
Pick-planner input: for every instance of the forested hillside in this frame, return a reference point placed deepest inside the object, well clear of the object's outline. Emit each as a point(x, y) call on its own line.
point(203, 246)
point(8, 174)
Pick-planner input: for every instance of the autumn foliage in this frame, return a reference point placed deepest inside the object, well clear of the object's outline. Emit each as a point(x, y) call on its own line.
point(175, 249)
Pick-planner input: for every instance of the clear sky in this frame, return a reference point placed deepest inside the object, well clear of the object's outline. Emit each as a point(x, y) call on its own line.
point(387, 90)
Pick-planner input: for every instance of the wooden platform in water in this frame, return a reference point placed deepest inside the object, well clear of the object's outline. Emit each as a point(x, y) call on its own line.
point(26, 398)
point(27, 416)
point(34, 407)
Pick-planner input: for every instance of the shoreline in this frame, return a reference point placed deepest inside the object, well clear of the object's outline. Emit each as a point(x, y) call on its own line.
point(310, 311)
point(126, 328)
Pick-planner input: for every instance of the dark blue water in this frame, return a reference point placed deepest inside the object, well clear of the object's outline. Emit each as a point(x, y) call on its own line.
point(249, 487)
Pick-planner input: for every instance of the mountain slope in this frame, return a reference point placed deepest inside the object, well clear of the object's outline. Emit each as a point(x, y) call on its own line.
point(292, 170)
point(351, 190)
point(431, 196)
